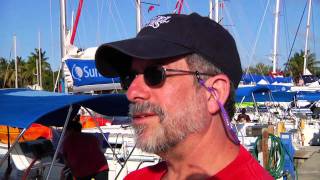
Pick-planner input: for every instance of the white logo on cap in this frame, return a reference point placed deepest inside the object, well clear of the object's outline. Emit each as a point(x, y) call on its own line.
point(158, 20)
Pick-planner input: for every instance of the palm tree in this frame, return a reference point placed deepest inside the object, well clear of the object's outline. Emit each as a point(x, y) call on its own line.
point(26, 71)
point(23, 78)
point(294, 67)
point(260, 68)
point(9, 75)
point(31, 67)
point(3, 67)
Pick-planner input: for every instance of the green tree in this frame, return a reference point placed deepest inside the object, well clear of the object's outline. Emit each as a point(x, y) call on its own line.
point(294, 67)
point(9, 75)
point(260, 68)
point(26, 71)
point(31, 69)
point(3, 68)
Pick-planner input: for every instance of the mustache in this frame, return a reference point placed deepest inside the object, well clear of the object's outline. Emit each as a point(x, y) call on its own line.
point(146, 107)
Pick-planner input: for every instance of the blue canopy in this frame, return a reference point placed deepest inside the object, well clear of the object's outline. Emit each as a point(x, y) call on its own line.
point(262, 93)
point(22, 107)
point(308, 95)
point(254, 78)
point(245, 93)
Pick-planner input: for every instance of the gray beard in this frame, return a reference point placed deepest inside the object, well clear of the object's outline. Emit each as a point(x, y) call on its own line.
point(171, 130)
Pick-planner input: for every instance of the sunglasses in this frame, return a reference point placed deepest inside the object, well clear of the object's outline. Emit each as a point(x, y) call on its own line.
point(156, 76)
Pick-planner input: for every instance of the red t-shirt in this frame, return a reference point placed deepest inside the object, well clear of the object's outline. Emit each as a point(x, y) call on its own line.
point(83, 154)
point(243, 167)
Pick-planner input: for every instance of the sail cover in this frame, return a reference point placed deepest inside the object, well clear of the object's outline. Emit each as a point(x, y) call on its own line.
point(85, 76)
point(22, 107)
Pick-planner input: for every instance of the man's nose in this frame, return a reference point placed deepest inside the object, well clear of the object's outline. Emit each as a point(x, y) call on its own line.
point(138, 90)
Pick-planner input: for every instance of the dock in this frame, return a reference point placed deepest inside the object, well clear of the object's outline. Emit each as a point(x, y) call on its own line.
point(307, 161)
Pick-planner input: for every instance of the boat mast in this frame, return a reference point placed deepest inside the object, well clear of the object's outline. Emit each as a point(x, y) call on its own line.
point(307, 37)
point(138, 16)
point(63, 33)
point(216, 11)
point(63, 27)
point(16, 60)
point(210, 9)
point(275, 40)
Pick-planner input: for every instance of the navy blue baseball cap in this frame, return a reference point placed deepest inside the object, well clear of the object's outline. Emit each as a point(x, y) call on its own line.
point(173, 35)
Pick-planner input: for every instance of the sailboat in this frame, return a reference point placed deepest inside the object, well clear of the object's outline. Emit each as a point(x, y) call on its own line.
point(296, 125)
point(307, 82)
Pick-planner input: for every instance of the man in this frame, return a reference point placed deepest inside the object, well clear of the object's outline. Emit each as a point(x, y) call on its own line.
point(180, 73)
point(243, 117)
point(82, 153)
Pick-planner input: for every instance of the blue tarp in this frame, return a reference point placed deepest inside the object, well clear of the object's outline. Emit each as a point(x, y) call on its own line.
point(254, 78)
point(21, 107)
point(84, 72)
point(262, 93)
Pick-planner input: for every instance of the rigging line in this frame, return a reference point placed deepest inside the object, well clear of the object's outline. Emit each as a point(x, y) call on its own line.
point(133, 4)
point(168, 6)
point(258, 35)
point(314, 36)
point(154, 4)
point(286, 26)
point(81, 39)
point(98, 21)
point(187, 6)
point(113, 18)
point(100, 13)
point(144, 18)
point(295, 36)
point(51, 30)
point(235, 32)
point(121, 20)
point(158, 9)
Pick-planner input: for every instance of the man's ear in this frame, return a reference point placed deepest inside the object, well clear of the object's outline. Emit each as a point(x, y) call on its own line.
point(221, 85)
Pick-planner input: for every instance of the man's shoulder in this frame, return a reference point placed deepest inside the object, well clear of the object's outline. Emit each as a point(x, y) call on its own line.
point(245, 166)
point(150, 172)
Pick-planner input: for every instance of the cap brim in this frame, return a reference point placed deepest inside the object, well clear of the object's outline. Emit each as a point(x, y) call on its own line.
point(114, 59)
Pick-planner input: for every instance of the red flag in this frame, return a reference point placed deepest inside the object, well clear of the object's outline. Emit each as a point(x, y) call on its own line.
point(150, 8)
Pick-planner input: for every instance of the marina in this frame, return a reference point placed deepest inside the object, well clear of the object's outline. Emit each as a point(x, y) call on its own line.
point(277, 117)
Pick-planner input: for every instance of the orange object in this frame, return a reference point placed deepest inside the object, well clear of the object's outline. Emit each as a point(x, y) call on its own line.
point(34, 132)
point(88, 121)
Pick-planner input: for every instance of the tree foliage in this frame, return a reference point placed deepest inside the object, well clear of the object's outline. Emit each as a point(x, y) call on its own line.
point(294, 67)
point(259, 68)
point(27, 71)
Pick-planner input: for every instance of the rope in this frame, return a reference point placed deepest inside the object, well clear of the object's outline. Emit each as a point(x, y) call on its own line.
point(257, 37)
point(27, 172)
point(276, 156)
point(295, 36)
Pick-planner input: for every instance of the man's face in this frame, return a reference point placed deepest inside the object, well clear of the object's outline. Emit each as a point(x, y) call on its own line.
point(165, 115)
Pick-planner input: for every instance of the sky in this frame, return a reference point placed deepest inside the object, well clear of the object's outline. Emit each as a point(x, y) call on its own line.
point(251, 22)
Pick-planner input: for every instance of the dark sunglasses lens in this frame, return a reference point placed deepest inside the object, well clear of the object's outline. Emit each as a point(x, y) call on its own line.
point(126, 81)
point(154, 75)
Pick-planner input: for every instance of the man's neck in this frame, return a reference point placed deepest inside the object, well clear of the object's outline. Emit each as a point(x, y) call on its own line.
point(202, 154)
